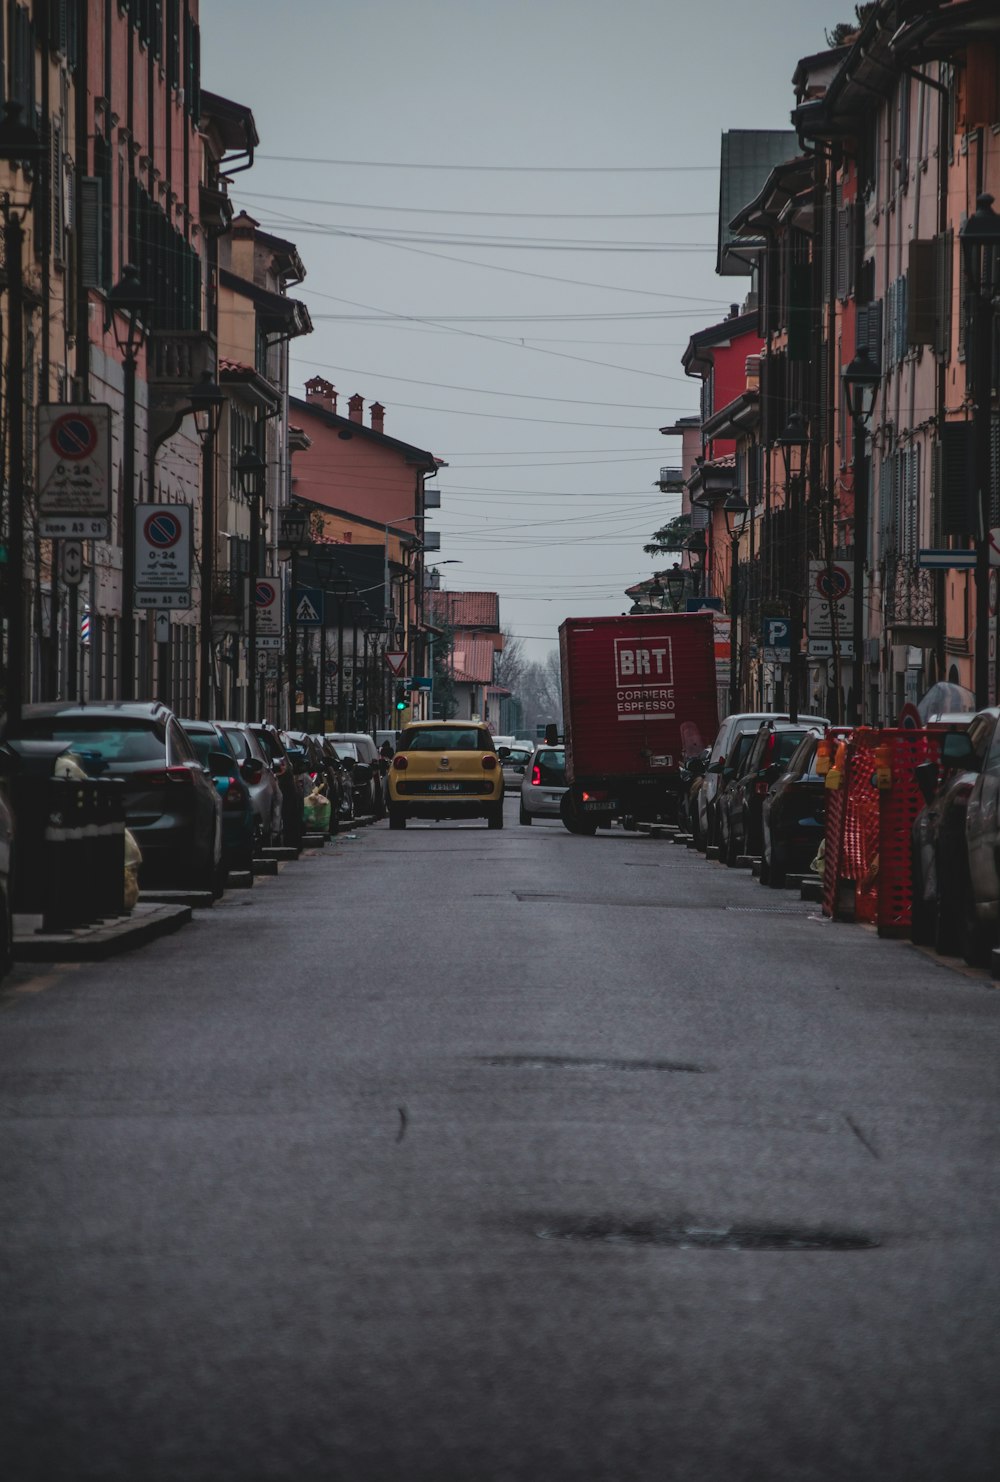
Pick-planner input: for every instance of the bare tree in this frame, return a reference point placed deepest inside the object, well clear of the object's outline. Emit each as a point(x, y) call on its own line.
point(509, 663)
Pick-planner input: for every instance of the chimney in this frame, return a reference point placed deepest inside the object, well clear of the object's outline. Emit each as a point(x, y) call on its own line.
point(355, 407)
point(734, 311)
point(321, 393)
point(378, 416)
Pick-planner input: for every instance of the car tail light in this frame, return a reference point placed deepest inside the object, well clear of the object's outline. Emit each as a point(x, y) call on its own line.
point(233, 798)
point(536, 776)
point(595, 797)
point(313, 776)
point(760, 788)
point(400, 763)
point(489, 763)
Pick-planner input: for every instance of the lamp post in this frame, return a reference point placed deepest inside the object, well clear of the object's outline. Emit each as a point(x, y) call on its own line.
point(794, 437)
point(293, 542)
point(20, 146)
point(735, 509)
point(128, 308)
point(980, 239)
point(861, 382)
point(207, 399)
point(250, 473)
point(697, 548)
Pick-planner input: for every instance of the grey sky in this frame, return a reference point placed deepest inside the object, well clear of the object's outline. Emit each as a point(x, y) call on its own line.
point(549, 492)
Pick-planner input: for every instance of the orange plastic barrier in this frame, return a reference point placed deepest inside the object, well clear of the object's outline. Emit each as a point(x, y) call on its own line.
point(869, 816)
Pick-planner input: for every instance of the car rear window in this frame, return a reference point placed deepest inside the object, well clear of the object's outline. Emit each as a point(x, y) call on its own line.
point(203, 744)
point(447, 738)
point(551, 767)
point(346, 749)
point(238, 741)
point(101, 746)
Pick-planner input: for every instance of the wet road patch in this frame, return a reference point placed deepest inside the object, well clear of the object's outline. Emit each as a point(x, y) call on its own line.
point(612, 1231)
point(580, 1062)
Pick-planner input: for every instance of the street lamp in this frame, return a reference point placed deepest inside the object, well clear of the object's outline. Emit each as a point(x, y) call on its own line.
point(20, 148)
point(207, 399)
point(735, 510)
point(656, 594)
point(251, 472)
point(293, 543)
point(676, 587)
point(980, 239)
point(793, 438)
point(862, 379)
point(128, 311)
point(697, 548)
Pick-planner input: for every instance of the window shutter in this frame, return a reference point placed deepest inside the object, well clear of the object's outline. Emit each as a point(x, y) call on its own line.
point(843, 248)
point(957, 488)
point(58, 193)
point(799, 311)
point(981, 103)
point(944, 248)
point(902, 295)
point(91, 206)
point(994, 500)
point(869, 331)
point(921, 307)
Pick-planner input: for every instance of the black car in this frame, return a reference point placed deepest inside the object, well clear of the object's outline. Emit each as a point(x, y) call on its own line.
point(172, 806)
point(939, 853)
point(772, 749)
point(358, 752)
point(291, 797)
point(730, 771)
point(793, 816)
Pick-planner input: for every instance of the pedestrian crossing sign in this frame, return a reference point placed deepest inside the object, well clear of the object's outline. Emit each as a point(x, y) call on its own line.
point(307, 607)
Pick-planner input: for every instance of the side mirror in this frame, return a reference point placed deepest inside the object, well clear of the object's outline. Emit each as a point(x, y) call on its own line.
point(221, 764)
point(957, 752)
point(552, 734)
point(252, 769)
point(503, 751)
point(695, 767)
point(350, 762)
point(926, 777)
point(728, 773)
point(716, 767)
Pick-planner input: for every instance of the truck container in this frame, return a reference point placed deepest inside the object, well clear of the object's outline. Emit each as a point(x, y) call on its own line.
point(639, 695)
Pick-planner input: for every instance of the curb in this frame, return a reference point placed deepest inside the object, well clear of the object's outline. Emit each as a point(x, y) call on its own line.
point(105, 939)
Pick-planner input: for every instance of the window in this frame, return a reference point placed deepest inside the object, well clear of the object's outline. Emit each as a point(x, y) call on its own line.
point(446, 738)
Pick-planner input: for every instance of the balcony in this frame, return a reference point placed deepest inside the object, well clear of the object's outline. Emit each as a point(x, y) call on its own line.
point(176, 360)
point(671, 480)
point(228, 602)
point(910, 602)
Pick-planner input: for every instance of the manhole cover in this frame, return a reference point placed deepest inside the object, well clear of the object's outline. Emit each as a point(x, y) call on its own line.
point(703, 1237)
point(577, 1062)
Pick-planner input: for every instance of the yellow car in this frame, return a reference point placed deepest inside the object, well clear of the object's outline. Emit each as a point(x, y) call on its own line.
point(445, 769)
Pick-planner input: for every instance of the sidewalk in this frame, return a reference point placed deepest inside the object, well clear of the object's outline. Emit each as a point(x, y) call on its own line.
point(101, 940)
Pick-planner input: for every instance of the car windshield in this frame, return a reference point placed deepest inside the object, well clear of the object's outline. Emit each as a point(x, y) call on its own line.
point(446, 738)
point(517, 757)
point(100, 746)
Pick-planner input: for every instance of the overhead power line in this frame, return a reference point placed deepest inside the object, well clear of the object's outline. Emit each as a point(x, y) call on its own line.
point(303, 159)
point(462, 211)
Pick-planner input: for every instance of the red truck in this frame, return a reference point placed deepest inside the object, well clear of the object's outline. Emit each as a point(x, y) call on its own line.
point(639, 695)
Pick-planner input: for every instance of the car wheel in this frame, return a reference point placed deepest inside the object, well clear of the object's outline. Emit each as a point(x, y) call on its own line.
point(975, 939)
point(922, 915)
point(523, 816)
point(946, 911)
point(494, 818)
point(397, 818)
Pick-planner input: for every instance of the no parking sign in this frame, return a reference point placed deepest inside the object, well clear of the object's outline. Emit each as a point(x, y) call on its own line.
point(74, 478)
point(163, 555)
point(831, 589)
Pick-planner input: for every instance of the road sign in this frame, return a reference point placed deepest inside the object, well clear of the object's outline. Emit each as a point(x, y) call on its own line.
point(269, 641)
point(822, 648)
point(267, 598)
point(421, 682)
point(937, 560)
point(395, 658)
point(72, 562)
point(831, 589)
point(74, 472)
point(777, 640)
point(162, 547)
point(308, 606)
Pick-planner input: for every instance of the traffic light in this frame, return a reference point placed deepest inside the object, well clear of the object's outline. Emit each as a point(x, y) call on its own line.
point(400, 698)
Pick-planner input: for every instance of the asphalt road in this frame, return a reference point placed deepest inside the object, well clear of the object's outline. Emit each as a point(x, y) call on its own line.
point(464, 1156)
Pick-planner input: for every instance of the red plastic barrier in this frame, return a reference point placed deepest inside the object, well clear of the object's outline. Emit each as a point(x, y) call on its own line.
point(867, 868)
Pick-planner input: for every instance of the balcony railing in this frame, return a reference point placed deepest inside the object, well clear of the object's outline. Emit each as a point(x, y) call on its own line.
point(177, 359)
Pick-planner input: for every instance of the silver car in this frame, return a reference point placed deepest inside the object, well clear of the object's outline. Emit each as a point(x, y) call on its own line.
point(706, 823)
point(543, 783)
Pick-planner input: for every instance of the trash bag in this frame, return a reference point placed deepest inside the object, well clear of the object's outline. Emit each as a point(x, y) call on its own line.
point(316, 812)
point(133, 859)
point(819, 863)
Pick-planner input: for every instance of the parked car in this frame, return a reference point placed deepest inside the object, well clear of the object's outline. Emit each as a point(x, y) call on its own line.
point(338, 780)
point(543, 784)
point(274, 749)
point(241, 835)
point(793, 816)
point(6, 880)
point(316, 765)
point(515, 762)
point(772, 749)
point(693, 770)
point(359, 754)
point(171, 804)
point(445, 769)
point(734, 725)
point(256, 771)
point(730, 773)
point(955, 888)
